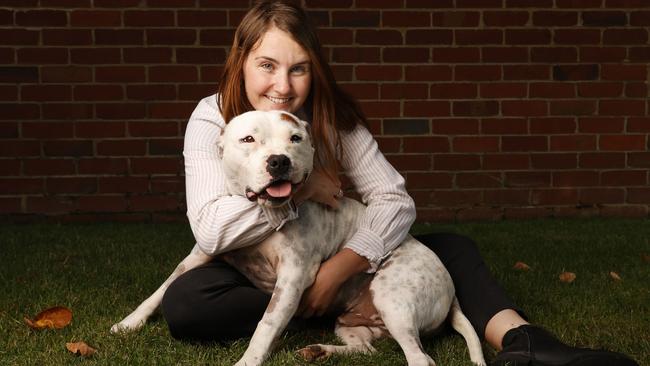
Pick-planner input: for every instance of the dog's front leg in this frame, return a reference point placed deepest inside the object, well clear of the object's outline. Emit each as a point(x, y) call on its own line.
point(291, 283)
point(139, 316)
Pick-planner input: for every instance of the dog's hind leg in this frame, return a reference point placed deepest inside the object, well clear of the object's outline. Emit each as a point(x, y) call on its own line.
point(356, 339)
point(139, 316)
point(462, 325)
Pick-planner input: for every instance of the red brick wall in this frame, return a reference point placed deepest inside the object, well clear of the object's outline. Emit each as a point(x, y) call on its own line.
point(490, 108)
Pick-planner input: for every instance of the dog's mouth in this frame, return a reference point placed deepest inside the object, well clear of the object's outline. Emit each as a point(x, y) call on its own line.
point(277, 190)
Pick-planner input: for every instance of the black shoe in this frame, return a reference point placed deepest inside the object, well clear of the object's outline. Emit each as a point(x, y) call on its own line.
point(534, 346)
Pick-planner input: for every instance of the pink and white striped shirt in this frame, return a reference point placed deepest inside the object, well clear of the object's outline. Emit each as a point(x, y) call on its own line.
point(221, 222)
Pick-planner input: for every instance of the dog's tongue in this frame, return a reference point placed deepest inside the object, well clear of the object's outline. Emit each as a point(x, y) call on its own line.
point(279, 190)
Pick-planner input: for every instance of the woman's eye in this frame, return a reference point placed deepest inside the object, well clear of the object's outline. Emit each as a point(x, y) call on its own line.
point(266, 67)
point(299, 70)
point(296, 138)
point(247, 140)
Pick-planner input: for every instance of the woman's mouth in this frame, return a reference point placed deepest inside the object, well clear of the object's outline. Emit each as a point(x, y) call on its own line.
point(276, 100)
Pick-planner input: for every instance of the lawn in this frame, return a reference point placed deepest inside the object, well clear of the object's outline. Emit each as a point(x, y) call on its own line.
point(102, 271)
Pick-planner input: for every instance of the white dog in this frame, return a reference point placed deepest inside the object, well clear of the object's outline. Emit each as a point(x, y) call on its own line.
point(266, 156)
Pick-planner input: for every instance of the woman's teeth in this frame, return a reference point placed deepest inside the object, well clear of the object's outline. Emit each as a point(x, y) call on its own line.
point(278, 100)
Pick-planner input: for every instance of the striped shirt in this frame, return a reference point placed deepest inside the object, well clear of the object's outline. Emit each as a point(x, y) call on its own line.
point(221, 222)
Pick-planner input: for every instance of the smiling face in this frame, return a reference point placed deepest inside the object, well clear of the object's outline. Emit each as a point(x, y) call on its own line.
point(266, 156)
point(277, 74)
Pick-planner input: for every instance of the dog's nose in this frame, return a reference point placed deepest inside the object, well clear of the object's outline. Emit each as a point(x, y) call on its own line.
point(278, 164)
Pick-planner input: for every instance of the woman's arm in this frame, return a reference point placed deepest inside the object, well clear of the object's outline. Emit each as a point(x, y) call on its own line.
point(220, 222)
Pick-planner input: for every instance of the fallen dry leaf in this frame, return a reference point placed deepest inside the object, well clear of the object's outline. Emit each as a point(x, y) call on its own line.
point(521, 266)
point(567, 277)
point(56, 317)
point(80, 348)
point(615, 276)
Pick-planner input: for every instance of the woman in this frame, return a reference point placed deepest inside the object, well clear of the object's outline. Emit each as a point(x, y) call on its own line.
point(275, 63)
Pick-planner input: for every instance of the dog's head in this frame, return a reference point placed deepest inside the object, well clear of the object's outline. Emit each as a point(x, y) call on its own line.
point(267, 156)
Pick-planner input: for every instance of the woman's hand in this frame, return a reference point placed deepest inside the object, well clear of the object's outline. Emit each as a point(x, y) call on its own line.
point(320, 188)
point(331, 275)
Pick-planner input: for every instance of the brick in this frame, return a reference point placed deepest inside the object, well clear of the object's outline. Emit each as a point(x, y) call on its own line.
point(579, 178)
point(524, 143)
point(622, 178)
point(102, 204)
point(153, 129)
point(67, 111)
point(10, 167)
point(120, 110)
point(602, 160)
point(503, 90)
point(579, 143)
point(224, 4)
point(638, 195)
point(554, 197)
point(477, 73)
point(552, 90)
point(555, 18)
point(554, 54)
point(478, 36)
point(152, 92)
point(98, 92)
point(10, 205)
point(625, 36)
point(171, 110)
point(455, 198)
point(406, 126)
point(411, 162)
point(68, 148)
point(426, 108)
point(192, 92)
point(505, 18)
point(573, 107)
point(173, 74)
point(148, 18)
point(622, 143)
point(406, 55)
point(456, 162)
point(638, 125)
point(120, 74)
point(371, 91)
point(601, 125)
point(524, 108)
point(19, 37)
point(66, 74)
point(123, 185)
point(637, 211)
point(122, 147)
point(528, 36)
point(220, 37)
point(423, 36)
point(575, 72)
point(554, 161)
point(377, 73)
point(100, 129)
point(41, 18)
point(527, 179)
point(95, 18)
point(527, 72)
point(429, 180)
point(7, 56)
point(603, 54)
point(168, 184)
point(346, 36)
point(453, 91)
point(19, 74)
point(21, 185)
point(456, 55)
point(504, 54)
point(9, 130)
point(102, 166)
point(504, 126)
point(479, 214)
point(615, 107)
point(426, 144)
point(475, 108)
point(401, 91)
point(601, 195)
point(529, 3)
point(49, 93)
point(507, 161)
point(574, 37)
point(147, 55)
point(47, 130)
point(355, 19)
point(579, 3)
point(42, 56)
point(456, 126)
point(121, 37)
point(48, 167)
point(640, 18)
point(624, 72)
point(456, 19)
point(506, 197)
point(96, 55)
point(67, 37)
point(356, 55)
point(165, 146)
point(604, 19)
point(389, 144)
point(71, 185)
point(600, 89)
point(475, 144)
point(65, 3)
point(636, 90)
point(329, 4)
point(201, 18)
point(156, 165)
point(50, 205)
point(405, 19)
point(552, 125)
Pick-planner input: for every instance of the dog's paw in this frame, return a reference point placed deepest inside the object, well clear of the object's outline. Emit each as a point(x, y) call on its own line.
point(314, 352)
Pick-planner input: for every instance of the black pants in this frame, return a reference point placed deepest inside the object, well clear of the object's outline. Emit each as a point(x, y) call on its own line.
point(214, 302)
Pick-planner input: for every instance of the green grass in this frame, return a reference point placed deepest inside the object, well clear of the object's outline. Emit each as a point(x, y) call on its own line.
point(102, 271)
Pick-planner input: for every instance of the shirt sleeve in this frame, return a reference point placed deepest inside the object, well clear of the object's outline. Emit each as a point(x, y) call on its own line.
point(220, 222)
point(390, 210)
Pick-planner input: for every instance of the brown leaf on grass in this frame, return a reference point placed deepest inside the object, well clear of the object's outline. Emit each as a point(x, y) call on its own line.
point(567, 277)
point(56, 317)
point(521, 266)
point(645, 257)
point(80, 348)
point(615, 276)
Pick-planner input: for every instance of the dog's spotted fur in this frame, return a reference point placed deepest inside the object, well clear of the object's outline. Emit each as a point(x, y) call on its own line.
point(410, 293)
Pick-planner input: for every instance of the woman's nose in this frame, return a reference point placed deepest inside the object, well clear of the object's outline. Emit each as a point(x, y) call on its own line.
point(282, 83)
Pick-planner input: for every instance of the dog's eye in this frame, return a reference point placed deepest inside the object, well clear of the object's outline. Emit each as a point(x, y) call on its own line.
point(296, 138)
point(247, 139)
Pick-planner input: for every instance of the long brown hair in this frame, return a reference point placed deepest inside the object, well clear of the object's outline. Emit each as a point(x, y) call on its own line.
point(329, 109)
